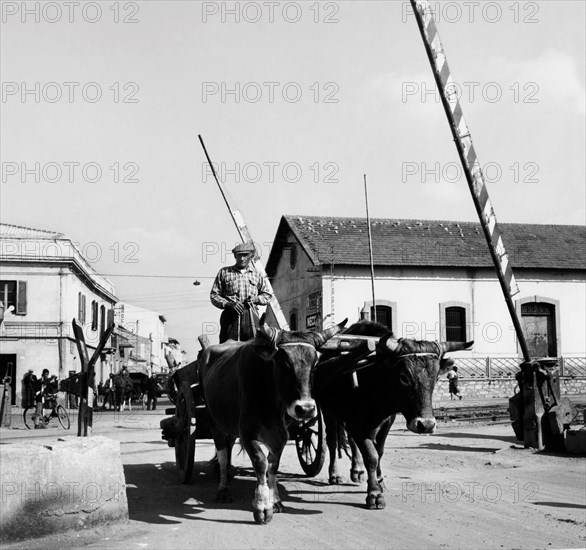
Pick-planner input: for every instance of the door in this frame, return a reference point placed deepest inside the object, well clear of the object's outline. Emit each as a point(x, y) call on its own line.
point(538, 320)
point(8, 368)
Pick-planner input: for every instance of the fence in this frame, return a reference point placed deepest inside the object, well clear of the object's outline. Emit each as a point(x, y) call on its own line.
point(507, 367)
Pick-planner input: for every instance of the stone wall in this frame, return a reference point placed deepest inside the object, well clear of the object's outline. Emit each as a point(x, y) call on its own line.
point(74, 483)
point(501, 388)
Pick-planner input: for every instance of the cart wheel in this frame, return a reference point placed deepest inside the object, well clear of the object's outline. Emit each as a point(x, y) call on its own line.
point(185, 440)
point(310, 442)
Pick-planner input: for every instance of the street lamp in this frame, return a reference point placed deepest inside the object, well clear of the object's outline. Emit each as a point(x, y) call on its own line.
point(196, 283)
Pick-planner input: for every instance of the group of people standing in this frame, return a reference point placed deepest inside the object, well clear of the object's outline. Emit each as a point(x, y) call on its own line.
point(37, 392)
point(119, 390)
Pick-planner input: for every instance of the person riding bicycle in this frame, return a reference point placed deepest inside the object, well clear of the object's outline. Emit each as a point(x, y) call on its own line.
point(45, 395)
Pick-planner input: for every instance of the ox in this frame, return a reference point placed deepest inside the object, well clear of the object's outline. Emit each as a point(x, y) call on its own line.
point(249, 389)
point(400, 379)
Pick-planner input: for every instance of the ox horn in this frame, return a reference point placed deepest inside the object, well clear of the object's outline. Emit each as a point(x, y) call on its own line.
point(389, 342)
point(320, 338)
point(455, 346)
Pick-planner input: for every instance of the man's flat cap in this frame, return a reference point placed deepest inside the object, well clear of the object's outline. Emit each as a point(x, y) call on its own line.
point(244, 248)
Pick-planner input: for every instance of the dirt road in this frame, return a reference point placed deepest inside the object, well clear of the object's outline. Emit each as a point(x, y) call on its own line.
point(467, 486)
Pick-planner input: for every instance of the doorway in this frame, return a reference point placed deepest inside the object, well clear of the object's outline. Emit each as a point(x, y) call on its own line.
point(8, 368)
point(538, 319)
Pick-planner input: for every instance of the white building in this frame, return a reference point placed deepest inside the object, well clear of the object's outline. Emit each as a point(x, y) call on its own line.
point(147, 324)
point(44, 283)
point(435, 280)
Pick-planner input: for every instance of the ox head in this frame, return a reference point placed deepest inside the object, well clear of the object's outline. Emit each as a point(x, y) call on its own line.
point(416, 366)
point(294, 357)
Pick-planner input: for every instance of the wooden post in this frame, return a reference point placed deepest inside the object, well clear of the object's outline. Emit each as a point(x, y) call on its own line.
point(85, 419)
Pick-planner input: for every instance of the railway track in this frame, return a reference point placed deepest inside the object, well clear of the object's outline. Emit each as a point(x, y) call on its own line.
point(497, 413)
point(473, 414)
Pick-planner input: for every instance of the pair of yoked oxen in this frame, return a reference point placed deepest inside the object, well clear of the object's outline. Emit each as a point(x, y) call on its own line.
point(251, 388)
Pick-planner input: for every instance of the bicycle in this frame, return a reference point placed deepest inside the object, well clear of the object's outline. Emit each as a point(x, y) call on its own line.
point(29, 414)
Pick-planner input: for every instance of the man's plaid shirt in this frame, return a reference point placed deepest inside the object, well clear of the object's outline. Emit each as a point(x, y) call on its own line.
point(232, 284)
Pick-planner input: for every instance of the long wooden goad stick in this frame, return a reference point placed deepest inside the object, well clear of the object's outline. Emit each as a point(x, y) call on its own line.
point(245, 236)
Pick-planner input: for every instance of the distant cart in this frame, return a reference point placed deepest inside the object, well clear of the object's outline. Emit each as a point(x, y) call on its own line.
point(139, 375)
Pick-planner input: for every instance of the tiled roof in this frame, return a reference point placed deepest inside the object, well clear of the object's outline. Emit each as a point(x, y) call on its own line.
point(434, 243)
point(21, 232)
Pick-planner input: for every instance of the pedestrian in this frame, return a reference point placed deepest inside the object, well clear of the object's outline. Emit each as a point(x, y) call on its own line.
point(237, 290)
point(152, 388)
point(124, 389)
point(28, 390)
point(453, 383)
point(109, 395)
point(101, 393)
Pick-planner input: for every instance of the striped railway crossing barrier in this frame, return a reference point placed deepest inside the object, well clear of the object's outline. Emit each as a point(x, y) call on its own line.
point(540, 417)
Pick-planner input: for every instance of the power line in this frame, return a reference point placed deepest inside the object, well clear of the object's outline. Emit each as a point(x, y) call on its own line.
point(158, 276)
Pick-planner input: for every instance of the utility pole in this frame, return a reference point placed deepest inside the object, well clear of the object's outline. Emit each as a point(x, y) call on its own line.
point(370, 252)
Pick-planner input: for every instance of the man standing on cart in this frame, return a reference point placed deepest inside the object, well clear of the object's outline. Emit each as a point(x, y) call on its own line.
point(237, 290)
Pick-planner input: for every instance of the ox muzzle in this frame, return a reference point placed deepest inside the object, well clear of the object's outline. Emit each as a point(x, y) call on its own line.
point(302, 410)
point(420, 425)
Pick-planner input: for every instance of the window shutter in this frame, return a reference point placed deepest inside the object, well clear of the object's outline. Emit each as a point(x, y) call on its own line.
point(21, 298)
point(83, 309)
point(79, 308)
point(94, 315)
point(102, 320)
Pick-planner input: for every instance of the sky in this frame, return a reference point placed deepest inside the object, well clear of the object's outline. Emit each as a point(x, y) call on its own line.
point(102, 103)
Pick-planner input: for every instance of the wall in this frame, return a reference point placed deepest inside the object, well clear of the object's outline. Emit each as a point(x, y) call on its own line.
point(43, 338)
point(500, 388)
point(292, 286)
point(418, 293)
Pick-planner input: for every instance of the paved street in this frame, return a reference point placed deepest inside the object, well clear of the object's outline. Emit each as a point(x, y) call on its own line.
point(467, 486)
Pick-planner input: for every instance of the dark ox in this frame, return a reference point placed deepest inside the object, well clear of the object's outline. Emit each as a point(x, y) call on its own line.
point(401, 380)
point(249, 389)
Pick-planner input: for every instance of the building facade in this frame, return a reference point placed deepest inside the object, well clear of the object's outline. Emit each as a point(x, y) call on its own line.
point(45, 283)
point(149, 328)
point(435, 280)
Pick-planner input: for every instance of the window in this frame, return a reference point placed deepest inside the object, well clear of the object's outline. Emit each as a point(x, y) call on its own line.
point(455, 324)
point(293, 320)
point(8, 293)
point(384, 315)
point(13, 293)
point(94, 315)
point(385, 312)
point(293, 256)
point(102, 320)
point(81, 308)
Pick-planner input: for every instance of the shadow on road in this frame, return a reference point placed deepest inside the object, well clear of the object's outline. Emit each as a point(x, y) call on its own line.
point(156, 497)
point(458, 435)
point(561, 505)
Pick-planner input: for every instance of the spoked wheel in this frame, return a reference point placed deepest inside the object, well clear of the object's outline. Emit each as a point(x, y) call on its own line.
point(62, 416)
point(28, 415)
point(185, 439)
point(310, 442)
